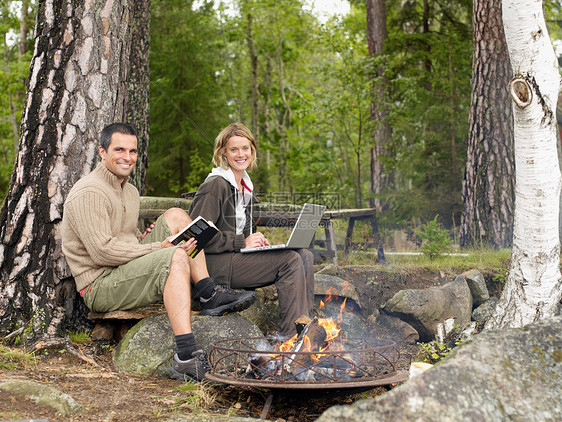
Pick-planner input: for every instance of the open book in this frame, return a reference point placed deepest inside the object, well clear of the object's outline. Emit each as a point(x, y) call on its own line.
point(201, 229)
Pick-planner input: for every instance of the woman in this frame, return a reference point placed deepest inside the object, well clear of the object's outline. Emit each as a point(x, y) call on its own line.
point(226, 198)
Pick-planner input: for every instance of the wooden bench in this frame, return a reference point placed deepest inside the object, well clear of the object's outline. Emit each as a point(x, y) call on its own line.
point(280, 215)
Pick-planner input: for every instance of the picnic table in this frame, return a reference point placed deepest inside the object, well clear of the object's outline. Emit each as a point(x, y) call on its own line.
point(282, 215)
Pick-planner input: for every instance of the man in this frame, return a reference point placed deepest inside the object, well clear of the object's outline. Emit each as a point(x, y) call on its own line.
point(115, 267)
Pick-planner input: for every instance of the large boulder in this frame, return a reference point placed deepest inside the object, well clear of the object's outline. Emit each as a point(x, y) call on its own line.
point(395, 329)
point(424, 309)
point(149, 346)
point(499, 375)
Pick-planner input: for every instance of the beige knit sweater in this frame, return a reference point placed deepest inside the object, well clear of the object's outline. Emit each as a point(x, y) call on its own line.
point(99, 226)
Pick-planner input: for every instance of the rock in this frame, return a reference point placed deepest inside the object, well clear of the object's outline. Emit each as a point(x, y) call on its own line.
point(44, 396)
point(329, 269)
point(424, 309)
point(258, 314)
point(149, 346)
point(477, 286)
point(352, 323)
point(325, 285)
point(394, 328)
point(498, 375)
point(417, 368)
point(483, 313)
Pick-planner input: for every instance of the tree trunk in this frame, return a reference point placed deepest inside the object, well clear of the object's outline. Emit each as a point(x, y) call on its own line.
point(490, 175)
point(534, 285)
point(13, 123)
point(376, 36)
point(23, 27)
point(76, 86)
point(254, 78)
point(138, 107)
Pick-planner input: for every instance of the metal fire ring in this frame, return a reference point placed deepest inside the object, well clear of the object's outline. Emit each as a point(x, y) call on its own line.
point(251, 362)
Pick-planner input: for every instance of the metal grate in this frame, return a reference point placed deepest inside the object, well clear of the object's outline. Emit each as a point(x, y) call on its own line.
point(357, 363)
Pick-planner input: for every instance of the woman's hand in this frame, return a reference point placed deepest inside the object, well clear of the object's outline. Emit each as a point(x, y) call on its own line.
point(148, 230)
point(255, 240)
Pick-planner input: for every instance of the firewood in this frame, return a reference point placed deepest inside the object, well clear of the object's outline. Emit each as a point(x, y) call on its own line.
point(311, 339)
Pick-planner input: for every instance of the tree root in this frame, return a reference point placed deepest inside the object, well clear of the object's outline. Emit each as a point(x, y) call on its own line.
point(69, 346)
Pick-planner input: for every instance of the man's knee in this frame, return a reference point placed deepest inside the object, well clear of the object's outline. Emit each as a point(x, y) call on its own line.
point(180, 262)
point(177, 219)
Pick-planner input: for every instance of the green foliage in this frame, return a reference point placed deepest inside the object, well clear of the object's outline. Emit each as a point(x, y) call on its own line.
point(79, 337)
point(189, 94)
point(13, 73)
point(502, 273)
point(432, 352)
point(436, 239)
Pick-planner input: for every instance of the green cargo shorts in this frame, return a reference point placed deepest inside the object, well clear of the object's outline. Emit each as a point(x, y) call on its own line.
point(138, 283)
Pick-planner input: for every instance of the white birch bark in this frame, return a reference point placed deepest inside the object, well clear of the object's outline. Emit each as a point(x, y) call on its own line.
point(534, 286)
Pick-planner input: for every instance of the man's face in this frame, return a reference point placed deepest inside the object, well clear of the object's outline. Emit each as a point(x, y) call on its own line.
point(121, 155)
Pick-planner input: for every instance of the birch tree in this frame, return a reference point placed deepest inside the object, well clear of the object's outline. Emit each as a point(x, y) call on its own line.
point(77, 84)
point(534, 286)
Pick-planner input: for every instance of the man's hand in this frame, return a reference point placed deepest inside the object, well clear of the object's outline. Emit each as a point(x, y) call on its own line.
point(187, 246)
point(148, 230)
point(255, 240)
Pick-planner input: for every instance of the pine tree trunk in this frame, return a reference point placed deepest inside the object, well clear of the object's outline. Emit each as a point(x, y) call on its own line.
point(138, 93)
point(376, 36)
point(490, 175)
point(534, 285)
point(76, 86)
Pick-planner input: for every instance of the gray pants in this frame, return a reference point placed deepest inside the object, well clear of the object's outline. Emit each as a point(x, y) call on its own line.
point(292, 273)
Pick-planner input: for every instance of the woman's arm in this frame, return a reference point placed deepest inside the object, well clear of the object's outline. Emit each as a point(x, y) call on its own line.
point(214, 201)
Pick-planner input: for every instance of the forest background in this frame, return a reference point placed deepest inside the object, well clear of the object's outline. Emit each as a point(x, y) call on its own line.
point(305, 87)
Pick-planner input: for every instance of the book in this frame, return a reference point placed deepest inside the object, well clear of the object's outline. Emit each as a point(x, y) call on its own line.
point(201, 229)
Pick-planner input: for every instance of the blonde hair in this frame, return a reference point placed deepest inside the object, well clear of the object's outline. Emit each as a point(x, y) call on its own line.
point(234, 129)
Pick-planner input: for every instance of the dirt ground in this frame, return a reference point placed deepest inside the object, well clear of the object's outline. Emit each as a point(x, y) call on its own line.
point(87, 374)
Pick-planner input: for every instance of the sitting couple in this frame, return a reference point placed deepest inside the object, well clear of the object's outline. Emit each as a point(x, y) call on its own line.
point(118, 268)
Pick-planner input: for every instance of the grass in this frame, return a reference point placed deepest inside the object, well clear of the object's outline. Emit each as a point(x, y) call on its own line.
point(79, 337)
point(11, 358)
point(476, 258)
point(196, 397)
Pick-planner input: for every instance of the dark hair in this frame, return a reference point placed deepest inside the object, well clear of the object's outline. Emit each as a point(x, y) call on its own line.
point(109, 130)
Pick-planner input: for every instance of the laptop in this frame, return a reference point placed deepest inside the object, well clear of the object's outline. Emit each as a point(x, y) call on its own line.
point(302, 233)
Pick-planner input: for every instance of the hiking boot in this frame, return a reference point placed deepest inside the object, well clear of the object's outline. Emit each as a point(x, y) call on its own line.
point(225, 300)
point(194, 368)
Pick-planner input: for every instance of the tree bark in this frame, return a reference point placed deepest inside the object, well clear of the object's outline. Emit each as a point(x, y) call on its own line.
point(76, 86)
point(23, 27)
point(138, 92)
point(534, 285)
point(254, 78)
point(488, 185)
point(376, 36)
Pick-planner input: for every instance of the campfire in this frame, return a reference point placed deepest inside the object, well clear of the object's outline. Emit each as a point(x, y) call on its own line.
point(318, 356)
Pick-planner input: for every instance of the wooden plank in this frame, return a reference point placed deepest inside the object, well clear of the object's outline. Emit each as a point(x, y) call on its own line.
point(132, 314)
point(347, 213)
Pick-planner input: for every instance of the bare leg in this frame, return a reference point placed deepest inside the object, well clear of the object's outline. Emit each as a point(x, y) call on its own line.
point(177, 219)
point(177, 294)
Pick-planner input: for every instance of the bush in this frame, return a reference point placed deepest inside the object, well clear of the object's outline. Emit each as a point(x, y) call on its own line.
point(436, 240)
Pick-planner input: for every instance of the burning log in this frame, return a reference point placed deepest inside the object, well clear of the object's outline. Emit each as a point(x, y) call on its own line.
point(311, 339)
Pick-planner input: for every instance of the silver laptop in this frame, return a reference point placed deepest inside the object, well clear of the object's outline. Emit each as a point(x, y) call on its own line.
point(302, 233)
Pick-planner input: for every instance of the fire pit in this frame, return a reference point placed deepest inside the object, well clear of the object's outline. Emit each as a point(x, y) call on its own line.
point(317, 359)
point(255, 362)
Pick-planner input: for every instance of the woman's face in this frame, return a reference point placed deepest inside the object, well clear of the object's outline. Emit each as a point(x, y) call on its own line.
point(238, 153)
